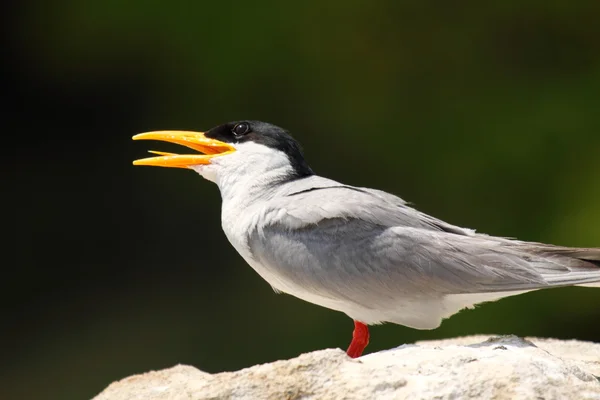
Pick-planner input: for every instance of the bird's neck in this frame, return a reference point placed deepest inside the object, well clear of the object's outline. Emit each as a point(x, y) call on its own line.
point(244, 191)
point(248, 184)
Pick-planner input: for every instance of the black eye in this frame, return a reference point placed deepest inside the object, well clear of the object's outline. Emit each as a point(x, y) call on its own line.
point(241, 129)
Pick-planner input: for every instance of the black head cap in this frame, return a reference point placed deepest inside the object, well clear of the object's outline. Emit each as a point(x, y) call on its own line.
point(266, 134)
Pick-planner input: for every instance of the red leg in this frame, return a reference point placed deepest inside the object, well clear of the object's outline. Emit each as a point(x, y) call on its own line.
point(360, 340)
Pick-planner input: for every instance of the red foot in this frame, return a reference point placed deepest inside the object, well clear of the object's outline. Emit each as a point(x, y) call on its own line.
point(360, 340)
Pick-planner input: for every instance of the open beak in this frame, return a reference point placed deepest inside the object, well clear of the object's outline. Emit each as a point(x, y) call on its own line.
point(194, 140)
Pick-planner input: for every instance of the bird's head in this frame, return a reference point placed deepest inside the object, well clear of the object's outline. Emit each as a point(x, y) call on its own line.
point(235, 149)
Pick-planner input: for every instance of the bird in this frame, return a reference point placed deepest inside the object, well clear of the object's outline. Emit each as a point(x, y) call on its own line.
point(360, 251)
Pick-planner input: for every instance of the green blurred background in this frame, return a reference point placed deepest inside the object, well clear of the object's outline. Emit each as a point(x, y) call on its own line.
point(484, 114)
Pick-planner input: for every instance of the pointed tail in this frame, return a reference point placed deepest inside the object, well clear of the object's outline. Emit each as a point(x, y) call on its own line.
point(580, 266)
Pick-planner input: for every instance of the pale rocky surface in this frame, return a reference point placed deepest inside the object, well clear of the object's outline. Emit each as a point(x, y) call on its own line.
point(474, 367)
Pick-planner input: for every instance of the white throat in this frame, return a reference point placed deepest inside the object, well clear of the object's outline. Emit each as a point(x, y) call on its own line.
point(247, 175)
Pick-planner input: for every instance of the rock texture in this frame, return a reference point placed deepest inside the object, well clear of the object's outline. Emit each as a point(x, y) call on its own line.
point(474, 367)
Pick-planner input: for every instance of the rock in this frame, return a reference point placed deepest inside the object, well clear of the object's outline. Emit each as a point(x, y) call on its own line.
point(474, 367)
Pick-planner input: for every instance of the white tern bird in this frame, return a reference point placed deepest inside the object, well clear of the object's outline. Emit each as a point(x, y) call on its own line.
point(360, 251)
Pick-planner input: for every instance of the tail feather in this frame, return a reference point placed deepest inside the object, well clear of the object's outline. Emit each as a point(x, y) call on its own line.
point(592, 285)
point(590, 254)
point(582, 265)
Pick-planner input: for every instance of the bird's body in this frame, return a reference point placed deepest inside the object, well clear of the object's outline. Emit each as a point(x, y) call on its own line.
point(362, 251)
point(366, 253)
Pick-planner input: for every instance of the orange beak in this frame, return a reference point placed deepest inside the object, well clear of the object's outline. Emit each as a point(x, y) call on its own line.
point(194, 140)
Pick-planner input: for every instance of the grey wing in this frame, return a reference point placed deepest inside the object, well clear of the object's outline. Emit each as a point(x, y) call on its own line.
point(373, 262)
point(323, 199)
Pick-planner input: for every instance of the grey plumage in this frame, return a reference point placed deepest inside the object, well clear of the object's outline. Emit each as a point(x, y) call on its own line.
point(361, 251)
point(373, 252)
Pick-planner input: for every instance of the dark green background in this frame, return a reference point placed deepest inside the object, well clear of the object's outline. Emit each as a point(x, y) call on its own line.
point(485, 114)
